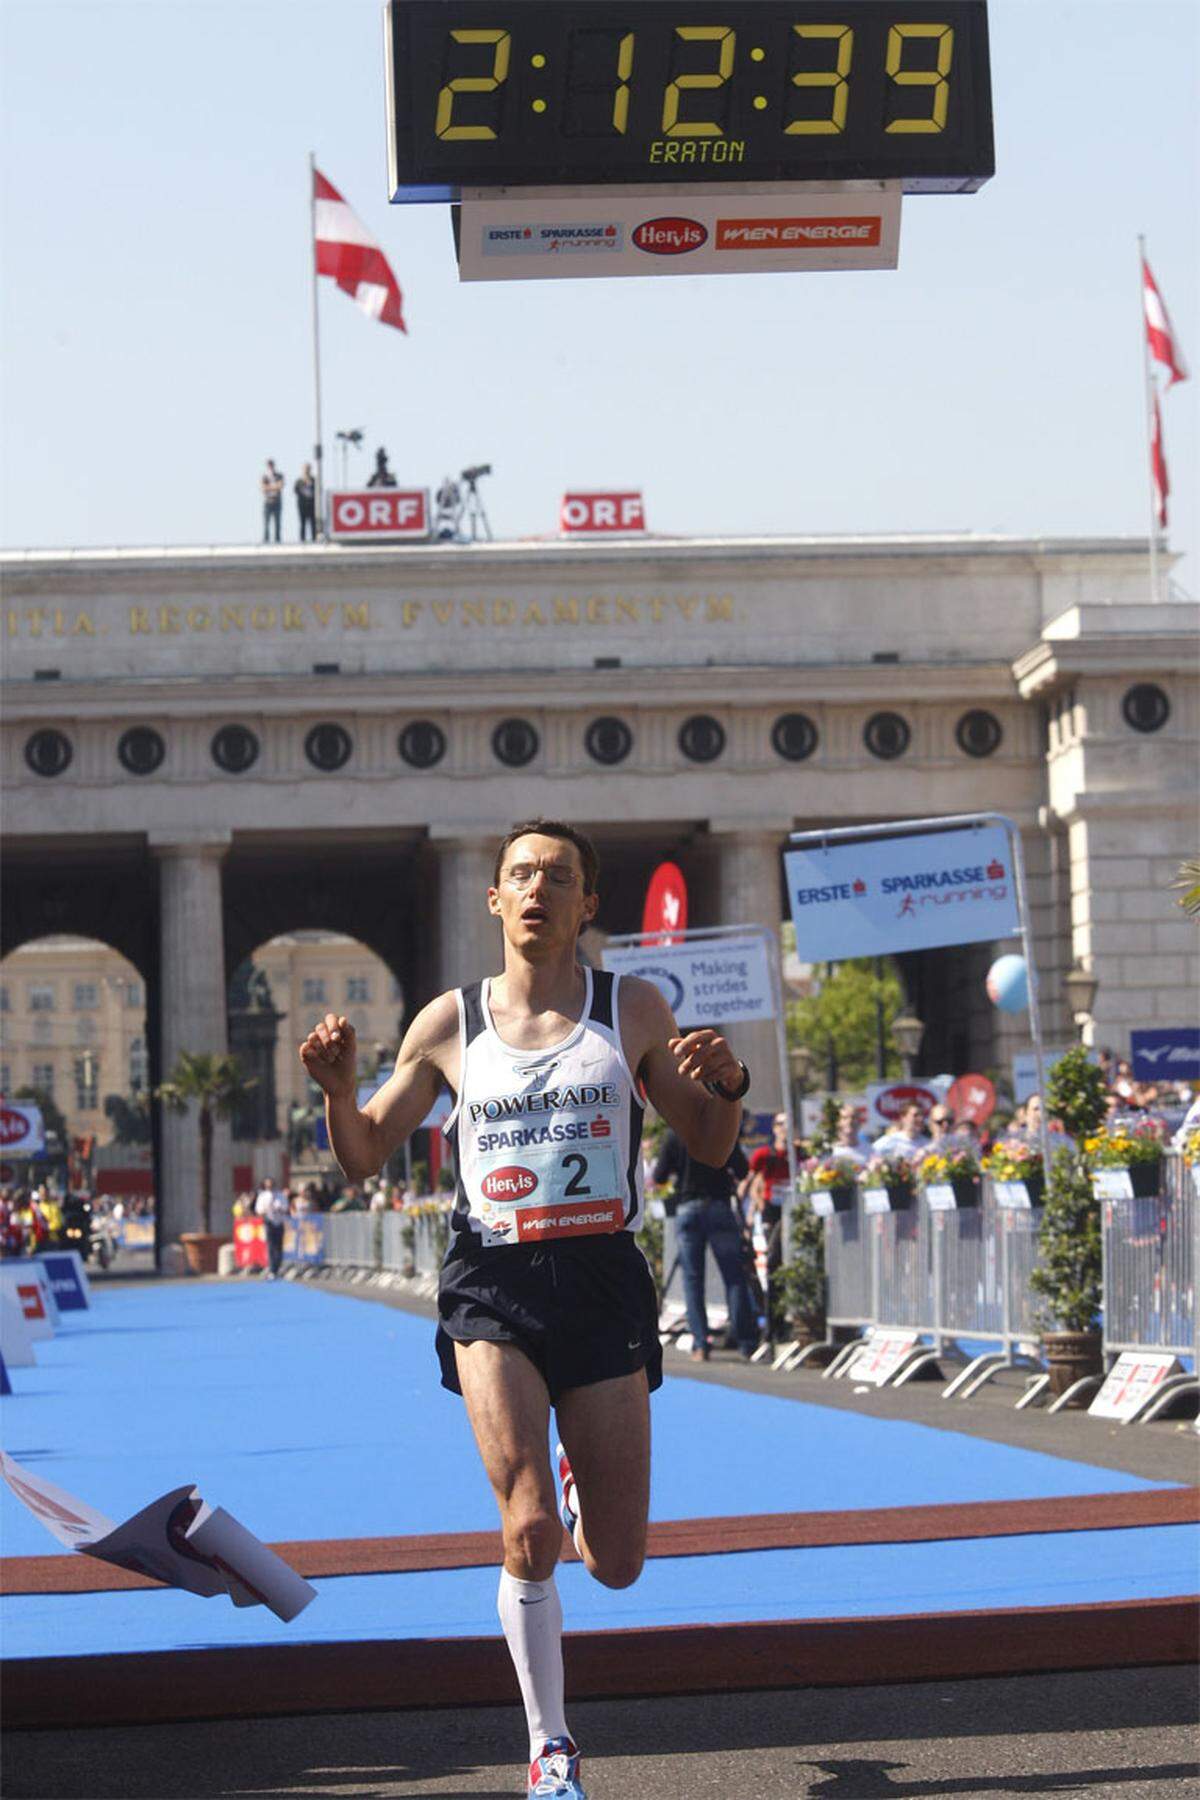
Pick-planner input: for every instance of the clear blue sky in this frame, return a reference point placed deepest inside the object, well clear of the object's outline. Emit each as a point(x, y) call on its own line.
point(156, 334)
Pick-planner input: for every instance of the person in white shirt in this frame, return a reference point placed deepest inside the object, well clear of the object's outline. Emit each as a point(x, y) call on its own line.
point(271, 1206)
point(908, 1138)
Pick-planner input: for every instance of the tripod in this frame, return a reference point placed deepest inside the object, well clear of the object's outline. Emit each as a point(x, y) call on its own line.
point(474, 515)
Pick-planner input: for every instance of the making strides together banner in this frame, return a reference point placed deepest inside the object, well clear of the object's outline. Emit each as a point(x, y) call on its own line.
point(717, 982)
point(903, 893)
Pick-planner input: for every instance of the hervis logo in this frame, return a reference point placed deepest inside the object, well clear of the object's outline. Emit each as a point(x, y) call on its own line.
point(511, 1183)
point(669, 237)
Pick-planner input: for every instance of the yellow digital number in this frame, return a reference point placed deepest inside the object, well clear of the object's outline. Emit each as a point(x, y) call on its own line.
point(934, 78)
point(703, 34)
point(834, 78)
point(620, 113)
point(473, 84)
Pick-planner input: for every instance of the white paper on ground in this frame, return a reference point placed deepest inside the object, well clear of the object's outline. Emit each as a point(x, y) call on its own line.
point(178, 1539)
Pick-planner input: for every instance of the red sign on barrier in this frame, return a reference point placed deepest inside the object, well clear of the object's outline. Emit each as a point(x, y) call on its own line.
point(249, 1244)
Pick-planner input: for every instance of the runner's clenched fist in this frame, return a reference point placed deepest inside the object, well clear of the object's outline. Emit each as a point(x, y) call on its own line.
point(330, 1053)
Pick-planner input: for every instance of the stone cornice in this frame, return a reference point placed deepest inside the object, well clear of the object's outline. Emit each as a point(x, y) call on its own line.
point(1138, 804)
point(1048, 665)
point(892, 685)
point(631, 557)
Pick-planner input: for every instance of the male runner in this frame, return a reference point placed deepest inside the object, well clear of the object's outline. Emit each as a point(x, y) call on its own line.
point(545, 1299)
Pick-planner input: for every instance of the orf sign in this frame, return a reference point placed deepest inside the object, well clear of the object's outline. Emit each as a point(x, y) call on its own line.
point(21, 1130)
point(601, 512)
point(379, 515)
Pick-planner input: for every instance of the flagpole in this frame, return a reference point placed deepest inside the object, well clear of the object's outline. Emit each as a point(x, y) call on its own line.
point(1150, 398)
point(318, 452)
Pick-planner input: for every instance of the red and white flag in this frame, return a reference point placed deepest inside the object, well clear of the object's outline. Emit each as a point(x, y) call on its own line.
point(1158, 466)
point(347, 251)
point(1160, 333)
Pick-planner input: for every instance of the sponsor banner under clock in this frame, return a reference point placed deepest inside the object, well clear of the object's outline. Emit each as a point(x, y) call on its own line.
point(901, 893)
point(720, 982)
point(540, 234)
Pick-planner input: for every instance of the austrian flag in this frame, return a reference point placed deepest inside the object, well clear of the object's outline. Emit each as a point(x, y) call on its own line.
point(347, 252)
point(1160, 333)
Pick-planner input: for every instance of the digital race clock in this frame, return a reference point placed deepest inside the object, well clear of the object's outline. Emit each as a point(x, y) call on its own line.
point(555, 93)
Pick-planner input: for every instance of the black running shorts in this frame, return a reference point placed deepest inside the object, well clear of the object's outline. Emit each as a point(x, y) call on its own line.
point(582, 1309)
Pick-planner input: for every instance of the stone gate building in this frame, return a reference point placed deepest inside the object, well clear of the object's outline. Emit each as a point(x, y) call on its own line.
point(204, 748)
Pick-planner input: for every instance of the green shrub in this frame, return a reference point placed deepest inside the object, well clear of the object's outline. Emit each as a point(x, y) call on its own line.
point(1068, 1275)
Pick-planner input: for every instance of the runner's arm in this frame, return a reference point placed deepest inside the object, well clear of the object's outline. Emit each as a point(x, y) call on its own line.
point(673, 1068)
point(362, 1139)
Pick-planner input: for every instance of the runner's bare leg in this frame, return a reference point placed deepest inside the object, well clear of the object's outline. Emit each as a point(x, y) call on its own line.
point(605, 1431)
point(509, 1409)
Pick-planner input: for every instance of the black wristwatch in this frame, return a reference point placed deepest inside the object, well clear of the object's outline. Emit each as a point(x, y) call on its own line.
point(742, 1088)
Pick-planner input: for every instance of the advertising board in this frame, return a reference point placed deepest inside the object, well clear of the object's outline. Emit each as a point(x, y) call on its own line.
point(718, 982)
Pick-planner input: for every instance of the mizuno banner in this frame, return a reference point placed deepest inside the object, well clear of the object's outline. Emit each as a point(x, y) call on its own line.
point(875, 897)
point(1166, 1053)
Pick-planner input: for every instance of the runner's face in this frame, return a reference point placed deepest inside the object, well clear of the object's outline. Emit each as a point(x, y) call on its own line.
point(540, 900)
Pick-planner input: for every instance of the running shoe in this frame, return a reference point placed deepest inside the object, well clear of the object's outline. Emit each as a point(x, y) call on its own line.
point(556, 1772)
point(568, 1512)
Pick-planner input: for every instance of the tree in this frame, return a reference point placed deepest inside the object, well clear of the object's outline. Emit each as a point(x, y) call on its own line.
point(1189, 881)
point(843, 1013)
point(130, 1118)
point(1069, 1274)
point(216, 1085)
point(52, 1118)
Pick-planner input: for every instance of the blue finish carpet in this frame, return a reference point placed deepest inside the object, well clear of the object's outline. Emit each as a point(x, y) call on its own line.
point(310, 1415)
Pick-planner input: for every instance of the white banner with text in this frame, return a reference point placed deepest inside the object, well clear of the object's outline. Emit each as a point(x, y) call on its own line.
point(875, 897)
point(718, 982)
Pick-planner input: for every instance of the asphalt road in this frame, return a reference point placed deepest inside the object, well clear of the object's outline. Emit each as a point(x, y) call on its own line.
point(1116, 1735)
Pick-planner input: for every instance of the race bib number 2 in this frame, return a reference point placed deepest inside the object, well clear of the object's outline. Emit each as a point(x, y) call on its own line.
point(549, 1191)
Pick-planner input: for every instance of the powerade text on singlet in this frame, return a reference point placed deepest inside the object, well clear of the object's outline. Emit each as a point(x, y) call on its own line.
point(547, 1142)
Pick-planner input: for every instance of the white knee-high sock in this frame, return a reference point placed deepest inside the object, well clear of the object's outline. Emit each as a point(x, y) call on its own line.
point(571, 1494)
point(531, 1614)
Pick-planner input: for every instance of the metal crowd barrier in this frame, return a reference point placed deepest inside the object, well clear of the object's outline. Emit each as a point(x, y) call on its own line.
point(965, 1274)
point(392, 1243)
point(948, 1275)
point(1150, 1259)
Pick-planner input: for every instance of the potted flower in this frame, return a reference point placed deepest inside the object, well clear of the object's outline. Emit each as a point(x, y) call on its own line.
point(1015, 1169)
point(950, 1177)
point(1126, 1159)
point(887, 1183)
point(829, 1183)
point(1191, 1158)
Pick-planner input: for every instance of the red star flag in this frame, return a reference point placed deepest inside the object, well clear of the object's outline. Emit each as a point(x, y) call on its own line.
point(1160, 333)
point(1158, 466)
point(347, 252)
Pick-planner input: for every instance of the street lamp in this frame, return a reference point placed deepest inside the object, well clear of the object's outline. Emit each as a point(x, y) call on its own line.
point(1079, 986)
point(907, 1031)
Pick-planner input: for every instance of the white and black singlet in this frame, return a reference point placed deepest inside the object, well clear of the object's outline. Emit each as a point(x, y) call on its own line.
point(547, 1142)
point(549, 1194)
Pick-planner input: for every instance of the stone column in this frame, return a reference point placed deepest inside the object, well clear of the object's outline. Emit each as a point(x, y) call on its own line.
point(468, 937)
point(193, 1018)
point(1126, 925)
point(749, 890)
